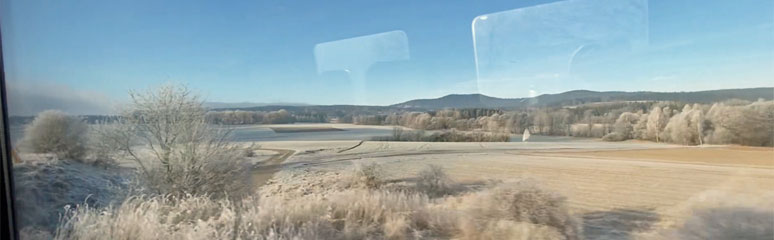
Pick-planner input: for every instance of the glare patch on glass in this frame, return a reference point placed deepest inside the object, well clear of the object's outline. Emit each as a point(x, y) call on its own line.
point(355, 56)
point(555, 47)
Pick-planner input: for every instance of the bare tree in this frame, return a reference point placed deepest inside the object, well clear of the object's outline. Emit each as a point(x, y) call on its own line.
point(187, 155)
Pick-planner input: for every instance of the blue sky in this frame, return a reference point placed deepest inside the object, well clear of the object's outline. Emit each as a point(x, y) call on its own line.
point(92, 52)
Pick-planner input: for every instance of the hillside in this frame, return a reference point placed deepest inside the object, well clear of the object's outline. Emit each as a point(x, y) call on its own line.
point(584, 96)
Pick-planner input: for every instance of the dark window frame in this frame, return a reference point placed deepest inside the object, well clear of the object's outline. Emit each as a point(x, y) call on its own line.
point(7, 211)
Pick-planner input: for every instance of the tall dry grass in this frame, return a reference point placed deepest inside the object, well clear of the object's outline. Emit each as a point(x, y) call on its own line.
point(514, 211)
point(510, 210)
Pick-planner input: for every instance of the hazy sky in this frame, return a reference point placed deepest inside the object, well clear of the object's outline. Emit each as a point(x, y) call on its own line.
point(89, 53)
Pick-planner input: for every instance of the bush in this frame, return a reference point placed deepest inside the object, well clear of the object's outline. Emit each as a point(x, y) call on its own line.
point(249, 151)
point(366, 176)
point(56, 132)
point(101, 151)
point(728, 223)
point(433, 181)
point(218, 174)
point(525, 202)
point(614, 137)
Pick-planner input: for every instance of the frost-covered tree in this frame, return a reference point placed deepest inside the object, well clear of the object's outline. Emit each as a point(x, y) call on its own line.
point(640, 129)
point(746, 124)
point(625, 124)
point(685, 127)
point(657, 120)
point(187, 155)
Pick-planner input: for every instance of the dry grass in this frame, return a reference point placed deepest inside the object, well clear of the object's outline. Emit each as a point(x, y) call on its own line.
point(511, 210)
point(150, 218)
point(516, 213)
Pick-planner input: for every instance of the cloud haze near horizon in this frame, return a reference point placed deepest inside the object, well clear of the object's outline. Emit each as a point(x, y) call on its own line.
point(28, 100)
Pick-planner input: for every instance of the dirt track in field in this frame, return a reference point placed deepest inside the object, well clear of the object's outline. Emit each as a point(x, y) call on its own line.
point(263, 171)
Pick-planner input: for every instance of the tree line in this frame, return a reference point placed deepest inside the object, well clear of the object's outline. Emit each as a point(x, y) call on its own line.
point(281, 116)
point(729, 122)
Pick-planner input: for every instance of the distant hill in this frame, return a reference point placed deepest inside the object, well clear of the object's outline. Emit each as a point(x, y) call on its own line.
point(584, 96)
point(461, 101)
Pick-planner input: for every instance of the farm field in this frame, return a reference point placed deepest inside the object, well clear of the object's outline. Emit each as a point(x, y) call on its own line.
point(619, 189)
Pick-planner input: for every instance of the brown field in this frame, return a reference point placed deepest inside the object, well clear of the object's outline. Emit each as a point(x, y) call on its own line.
point(724, 155)
point(619, 189)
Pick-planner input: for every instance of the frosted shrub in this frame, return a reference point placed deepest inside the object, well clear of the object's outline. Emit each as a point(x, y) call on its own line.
point(434, 181)
point(56, 132)
point(614, 137)
point(525, 202)
point(366, 176)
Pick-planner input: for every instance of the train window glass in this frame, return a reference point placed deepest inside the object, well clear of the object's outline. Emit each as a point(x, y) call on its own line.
point(535, 119)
